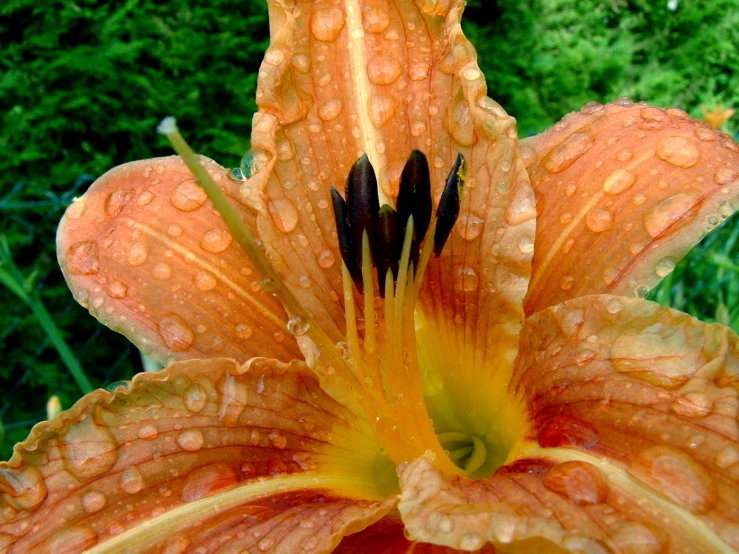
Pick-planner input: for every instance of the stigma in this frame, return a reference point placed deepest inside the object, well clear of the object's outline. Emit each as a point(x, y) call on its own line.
point(385, 252)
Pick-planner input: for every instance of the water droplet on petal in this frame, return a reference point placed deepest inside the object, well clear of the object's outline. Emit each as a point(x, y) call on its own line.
point(205, 281)
point(470, 542)
point(382, 109)
point(207, 480)
point(599, 220)
point(71, 539)
point(283, 214)
point(693, 405)
point(678, 151)
point(88, 449)
point(664, 267)
point(76, 209)
point(298, 326)
point(215, 241)
point(726, 176)
point(580, 482)
point(618, 181)
point(469, 226)
point(116, 201)
point(138, 253)
point(383, 70)
point(176, 333)
point(162, 271)
point(243, 331)
point(567, 153)
point(327, 23)
point(375, 20)
point(190, 440)
point(277, 439)
point(727, 457)
point(24, 487)
point(330, 110)
point(466, 279)
point(675, 475)
point(614, 305)
point(93, 501)
point(131, 480)
point(117, 289)
point(195, 398)
point(82, 258)
point(672, 211)
point(148, 432)
point(635, 538)
point(176, 545)
point(567, 431)
point(326, 259)
point(188, 196)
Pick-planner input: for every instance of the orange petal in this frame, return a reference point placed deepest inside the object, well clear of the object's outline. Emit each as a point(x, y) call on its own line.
point(206, 453)
point(372, 77)
point(623, 192)
point(145, 252)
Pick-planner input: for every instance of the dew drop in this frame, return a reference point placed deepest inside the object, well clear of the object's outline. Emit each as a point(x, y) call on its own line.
point(188, 196)
point(138, 253)
point(88, 449)
point(614, 305)
point(195, 398)
point(93, 501)
point(678, 151)
point(635, 538)
point(727, 457)
point(672, 211)
point(243, 331)
point(131, 480)
point(726, 176)
point(205, 281)
point(375, 20)
point(675, 475)
point(664, 267)
point(330, 110)
point(580, 482)
point(76, 209)
point(567, 153)
point(176, 333)
point(71, 539)
point(566, 282)
point(326, 24)
point(567, 431)
point(599, 220)
point(466, 279)
point(278, 440)
point(176, 544)
point(283, 214)
point(148, 432)
point(298, 326)
point(207, 480)
point(471, 542)
point(326, 259)
point(162, 271)
point(174, 230)
point(24, 488)
point(526, 245)
point(82, 258)
point(117, 289)
point(469, 226)
point(116, 201)
point(446, 524)
point(383, 70)
point(215, 241)
point(693, 405)
point(618, 181)
point(190, 440)
point(382, 109)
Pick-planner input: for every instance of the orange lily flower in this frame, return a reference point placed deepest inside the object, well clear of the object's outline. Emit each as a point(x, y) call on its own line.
point(515, 393)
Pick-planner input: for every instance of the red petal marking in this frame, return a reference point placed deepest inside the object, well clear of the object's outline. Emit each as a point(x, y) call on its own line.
point(145, 252)
point(183, 436)
point(623, 191)
point(385, 79)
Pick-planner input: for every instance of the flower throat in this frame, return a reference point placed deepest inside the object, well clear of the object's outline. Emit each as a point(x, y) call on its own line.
point(379, 371)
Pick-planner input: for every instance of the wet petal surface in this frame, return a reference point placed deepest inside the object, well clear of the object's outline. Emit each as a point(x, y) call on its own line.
point(203, 454)
point(624, 190)
point(146, 253)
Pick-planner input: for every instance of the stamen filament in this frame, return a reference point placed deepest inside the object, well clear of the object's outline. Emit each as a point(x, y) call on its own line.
point(370, 339)
point(428, 248)
point(352, 334)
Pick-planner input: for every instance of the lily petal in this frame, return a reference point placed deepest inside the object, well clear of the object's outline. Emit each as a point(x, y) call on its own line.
point(625, 190)
point(633, 440)
point(204, 453)
point(145, 252)
point(371, 77)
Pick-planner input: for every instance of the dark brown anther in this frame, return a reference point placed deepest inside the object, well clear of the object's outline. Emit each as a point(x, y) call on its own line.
point(344, 232)
point(414, 194)
point(363, 203)
point(448, 209)
point(388, 244)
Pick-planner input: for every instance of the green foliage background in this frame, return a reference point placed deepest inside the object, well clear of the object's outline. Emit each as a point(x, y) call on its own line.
point(83, 84)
